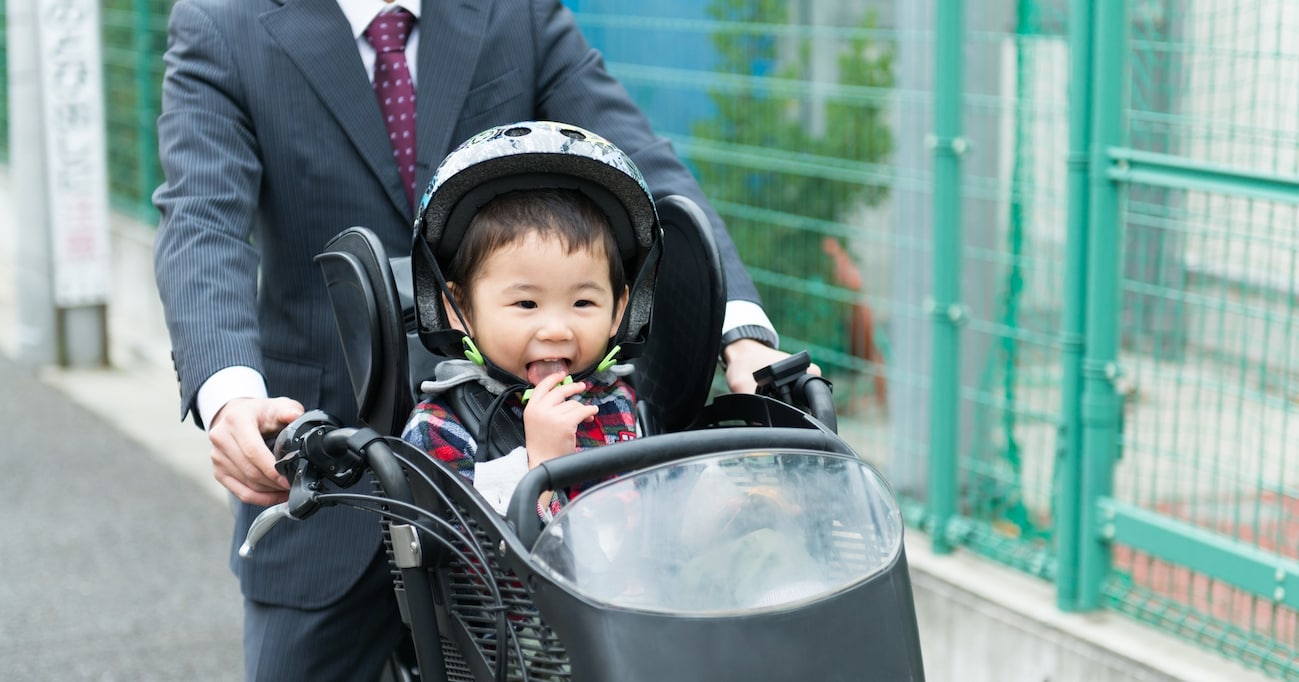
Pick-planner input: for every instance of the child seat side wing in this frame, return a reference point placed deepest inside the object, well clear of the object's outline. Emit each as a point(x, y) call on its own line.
point(367, 307)
point(675, 369)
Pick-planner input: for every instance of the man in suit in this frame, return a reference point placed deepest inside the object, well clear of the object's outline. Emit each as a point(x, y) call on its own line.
point(272, 141)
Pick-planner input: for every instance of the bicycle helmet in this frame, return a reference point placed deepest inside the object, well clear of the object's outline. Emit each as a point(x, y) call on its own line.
point(523, 156)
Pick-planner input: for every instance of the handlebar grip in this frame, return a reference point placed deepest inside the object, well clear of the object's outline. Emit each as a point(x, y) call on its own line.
point(787, 380)
point(289, 442)
point(818, 396)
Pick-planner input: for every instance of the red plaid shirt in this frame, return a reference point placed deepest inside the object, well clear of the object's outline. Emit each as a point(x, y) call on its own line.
point(434, 428)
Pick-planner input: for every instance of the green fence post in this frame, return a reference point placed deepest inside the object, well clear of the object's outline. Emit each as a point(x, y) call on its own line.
point(1068, 474)
point(948, 313)
point(1100, 403)
point(4, 81)
point(146, 109)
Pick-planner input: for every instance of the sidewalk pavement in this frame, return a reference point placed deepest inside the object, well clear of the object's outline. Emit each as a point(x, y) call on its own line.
point(113, 567)
point(115, 539)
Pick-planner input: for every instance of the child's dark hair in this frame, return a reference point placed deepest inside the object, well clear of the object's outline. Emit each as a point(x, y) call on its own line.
point(566, 214)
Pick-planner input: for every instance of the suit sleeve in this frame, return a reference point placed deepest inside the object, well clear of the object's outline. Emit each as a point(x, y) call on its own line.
point(204, 263)
point(573, 86)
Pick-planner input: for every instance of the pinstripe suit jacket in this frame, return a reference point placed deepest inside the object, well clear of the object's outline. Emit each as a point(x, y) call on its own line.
point(272, 142)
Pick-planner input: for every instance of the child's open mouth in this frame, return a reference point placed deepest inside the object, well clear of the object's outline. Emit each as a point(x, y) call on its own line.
point(541, 369)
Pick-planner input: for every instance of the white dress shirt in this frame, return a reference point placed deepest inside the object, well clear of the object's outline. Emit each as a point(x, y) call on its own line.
point(360, 13)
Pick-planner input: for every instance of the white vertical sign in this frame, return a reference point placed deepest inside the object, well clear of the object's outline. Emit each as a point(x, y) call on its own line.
point(72, 94)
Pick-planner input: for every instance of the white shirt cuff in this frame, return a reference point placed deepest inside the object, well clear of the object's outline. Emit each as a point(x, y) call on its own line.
point(496, 479)
point(226, 385)
point(739, 313)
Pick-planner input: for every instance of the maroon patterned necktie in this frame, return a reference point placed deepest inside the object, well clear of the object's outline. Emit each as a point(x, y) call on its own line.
point(394, 89)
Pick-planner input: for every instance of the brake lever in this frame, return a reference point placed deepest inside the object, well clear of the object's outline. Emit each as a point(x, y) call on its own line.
point(787, 380)
point(304, 479)
point(775, 380)
point(302, 503)
point(262, 525)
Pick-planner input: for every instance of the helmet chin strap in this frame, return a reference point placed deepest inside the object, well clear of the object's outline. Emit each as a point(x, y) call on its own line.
point(472, 353)
point(610, 359)
point(513, 381)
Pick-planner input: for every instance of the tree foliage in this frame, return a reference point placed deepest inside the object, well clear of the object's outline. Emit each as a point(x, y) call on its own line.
point(793, 150)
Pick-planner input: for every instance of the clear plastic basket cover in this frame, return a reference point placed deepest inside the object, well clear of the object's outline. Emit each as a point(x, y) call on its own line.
point(725, 533)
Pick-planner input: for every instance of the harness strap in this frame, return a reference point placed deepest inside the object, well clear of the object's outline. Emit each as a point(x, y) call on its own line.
point(471, 402)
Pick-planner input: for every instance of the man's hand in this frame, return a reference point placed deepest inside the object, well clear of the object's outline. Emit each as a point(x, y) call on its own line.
point(746, 356)
point(240, 459)
point(550, 419)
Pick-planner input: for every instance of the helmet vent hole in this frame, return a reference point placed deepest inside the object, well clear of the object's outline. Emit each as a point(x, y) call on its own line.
point(575, 134)
point(517, 132)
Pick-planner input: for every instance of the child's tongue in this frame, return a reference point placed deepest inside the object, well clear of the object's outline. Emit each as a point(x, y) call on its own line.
point(543, 368)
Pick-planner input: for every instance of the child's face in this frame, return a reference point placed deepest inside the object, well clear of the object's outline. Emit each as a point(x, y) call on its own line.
point(537, 310)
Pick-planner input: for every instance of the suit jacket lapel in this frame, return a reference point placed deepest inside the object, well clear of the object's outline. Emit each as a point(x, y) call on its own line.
point(316, 36)
point(450, 38)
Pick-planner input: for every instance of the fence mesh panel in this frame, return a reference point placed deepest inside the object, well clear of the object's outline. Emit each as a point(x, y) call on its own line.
point(1211, 335)
point(1208, 281)
point(1014, 219)
point(786, 114)
point(134, 38)
point(4, 80)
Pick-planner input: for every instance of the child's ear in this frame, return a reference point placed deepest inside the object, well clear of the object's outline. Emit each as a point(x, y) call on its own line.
point(452, 318)
point(619, 307)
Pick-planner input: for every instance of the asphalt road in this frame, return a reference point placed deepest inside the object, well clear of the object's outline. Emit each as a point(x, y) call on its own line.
point(112, 566)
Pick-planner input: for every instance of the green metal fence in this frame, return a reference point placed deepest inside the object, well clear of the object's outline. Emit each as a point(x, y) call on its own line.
point(4, 74)
point(1199, 155)
point(1048, 251)
point(1066, 321)
point(134, 36)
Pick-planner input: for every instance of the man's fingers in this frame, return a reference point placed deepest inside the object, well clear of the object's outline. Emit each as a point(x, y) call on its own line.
point(740, 380)
point(246, 458)
point(239, 447)
point(278, 413)
point(274, 415)
point(246, 494)
point(258, 463)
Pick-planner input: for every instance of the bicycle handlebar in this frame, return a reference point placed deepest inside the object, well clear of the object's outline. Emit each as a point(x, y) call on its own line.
point(312, 449)
point(315, 448)
point(789, 382)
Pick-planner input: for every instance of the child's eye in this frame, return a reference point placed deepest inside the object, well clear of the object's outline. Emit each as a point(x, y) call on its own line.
point(526, 305)
point(583, 304)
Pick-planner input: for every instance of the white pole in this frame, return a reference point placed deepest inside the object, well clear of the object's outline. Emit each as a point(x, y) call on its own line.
point(33, 283)
point(60, 182)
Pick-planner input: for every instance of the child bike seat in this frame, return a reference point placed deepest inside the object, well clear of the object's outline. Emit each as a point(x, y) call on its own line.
point(371, 296)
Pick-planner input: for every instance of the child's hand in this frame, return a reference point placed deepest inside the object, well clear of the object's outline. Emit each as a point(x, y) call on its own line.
point(550, 419)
